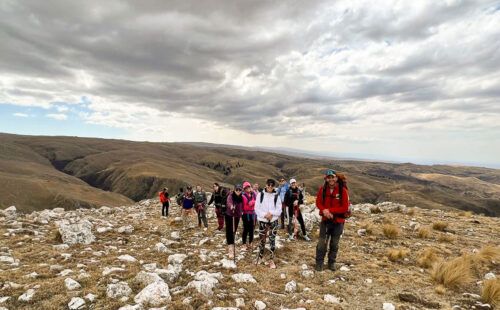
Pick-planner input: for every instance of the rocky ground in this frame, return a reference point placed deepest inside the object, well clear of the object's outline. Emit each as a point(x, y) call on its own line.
point(390, 257)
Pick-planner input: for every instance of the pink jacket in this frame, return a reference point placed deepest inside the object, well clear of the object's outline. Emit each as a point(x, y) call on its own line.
point(248, 203)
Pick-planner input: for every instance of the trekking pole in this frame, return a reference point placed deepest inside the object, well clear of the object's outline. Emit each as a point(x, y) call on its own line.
point(296, 223)
point(234, 240)
point(265, 237)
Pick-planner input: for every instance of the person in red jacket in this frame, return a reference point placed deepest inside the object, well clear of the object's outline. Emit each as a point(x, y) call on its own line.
point(333, 204)
point(164, 198)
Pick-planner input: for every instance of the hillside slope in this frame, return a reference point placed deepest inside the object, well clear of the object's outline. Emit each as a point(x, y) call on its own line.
point(137, 170)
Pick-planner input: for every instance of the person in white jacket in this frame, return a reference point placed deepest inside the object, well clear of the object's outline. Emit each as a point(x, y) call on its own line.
point(268, 210)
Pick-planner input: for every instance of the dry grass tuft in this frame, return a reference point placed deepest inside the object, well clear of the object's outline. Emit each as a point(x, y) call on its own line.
point(370, 228)
point(411, 211)
point(440, 289)
point(441, 226)
point(465, 213)
point(489, 253)
point(453, 273)
point(375, 210)
point(428, 258)
point(491, 292)
point(395, 255)
point(447, 238)
point(391, 231)
point(423, 233)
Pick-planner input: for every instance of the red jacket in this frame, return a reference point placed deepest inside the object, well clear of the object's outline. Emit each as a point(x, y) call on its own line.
point(332, 202)
point(163, 197)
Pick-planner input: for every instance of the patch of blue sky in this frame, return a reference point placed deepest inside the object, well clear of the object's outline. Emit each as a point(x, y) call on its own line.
point(40, 121)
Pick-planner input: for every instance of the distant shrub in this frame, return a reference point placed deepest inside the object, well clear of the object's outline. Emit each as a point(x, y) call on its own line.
point(453, 273)
point(391, 231)
point(369, 227)
point(375, 210)
point(427, 258)
point(441, 226)
point(411, 211)
point(491, 292)
point(446, 238)
point(489, 253)
point(465, 213)
point(395, 255)
point(423, 233)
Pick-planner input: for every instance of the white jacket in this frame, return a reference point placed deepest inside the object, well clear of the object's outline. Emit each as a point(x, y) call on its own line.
point(267, 205)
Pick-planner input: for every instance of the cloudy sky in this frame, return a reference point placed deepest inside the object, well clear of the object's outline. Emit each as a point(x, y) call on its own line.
point(405, 80)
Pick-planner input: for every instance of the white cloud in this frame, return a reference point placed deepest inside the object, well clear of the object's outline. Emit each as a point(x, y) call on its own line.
point(20, 115)
point(58, 116)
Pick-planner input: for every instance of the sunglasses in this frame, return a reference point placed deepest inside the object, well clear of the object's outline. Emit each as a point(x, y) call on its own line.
point(238, 190)
point(270, 185)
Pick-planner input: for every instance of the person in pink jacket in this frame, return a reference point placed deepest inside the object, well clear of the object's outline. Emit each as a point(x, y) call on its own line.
point(248, 215)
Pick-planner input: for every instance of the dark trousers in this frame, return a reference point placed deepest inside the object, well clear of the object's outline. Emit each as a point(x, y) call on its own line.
point(332, 230)
point(229, 228)
point(291, 214)
point(283, 212)
point(248, 228)
point(220, 216)
point(164, 209)
point(202, 216)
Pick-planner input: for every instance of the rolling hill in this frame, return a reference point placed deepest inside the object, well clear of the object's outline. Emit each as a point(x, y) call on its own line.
point(39, 172)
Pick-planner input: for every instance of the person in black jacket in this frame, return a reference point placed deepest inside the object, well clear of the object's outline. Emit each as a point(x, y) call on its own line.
point(293, 200)
point(219, 197)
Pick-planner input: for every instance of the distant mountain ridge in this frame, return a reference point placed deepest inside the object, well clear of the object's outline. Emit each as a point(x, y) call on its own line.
point(39, 172)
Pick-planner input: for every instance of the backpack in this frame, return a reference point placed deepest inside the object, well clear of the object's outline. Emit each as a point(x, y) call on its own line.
point(262, 197)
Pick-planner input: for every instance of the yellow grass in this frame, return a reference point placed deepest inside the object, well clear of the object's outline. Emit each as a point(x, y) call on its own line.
point(491, 292)
point(411, 211)
point(395, 255)
point(465, 213)
point(440, 289)
point(391, 231)
point(423, 233)
point(446, 238)
point(370, 228)
point(441, 226)
point(375, 210)
point(453, 273)
point(427, 258)
point(489, 253)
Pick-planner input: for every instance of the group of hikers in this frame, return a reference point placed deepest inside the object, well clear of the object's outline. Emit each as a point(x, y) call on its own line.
point(263, 209)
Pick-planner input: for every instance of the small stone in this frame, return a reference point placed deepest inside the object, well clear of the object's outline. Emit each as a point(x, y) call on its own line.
point(228, 264)
point(90, 297)
point(154, 294)
point(126, 229)
point(76, 303)
point(27, 296)
point(118, 290)
point(291, 287)
point(71, 284)
point(127, 258)
point(283, 276)
point(259, 305)
point(307, 274)
point(344, 268)
point(240, 302)
point(332, 299)
point(175, 235)
point(243, 278)
point(388, 306)
point(490, 276)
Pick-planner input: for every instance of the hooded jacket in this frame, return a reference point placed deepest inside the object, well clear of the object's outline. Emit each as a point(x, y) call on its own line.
point(268, 205)
point(248, 202)
point(163, 196)
point(238, 207)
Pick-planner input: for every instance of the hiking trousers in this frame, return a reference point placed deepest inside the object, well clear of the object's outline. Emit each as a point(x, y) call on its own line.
point(202, 216)
point(229, 228)
point(219, 211)
point(291, 215)
point(267, 231)
point(248, 228)
point(164, 209)
point(334, 231)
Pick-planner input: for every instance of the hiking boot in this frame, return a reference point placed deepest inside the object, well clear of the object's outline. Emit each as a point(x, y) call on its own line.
point(318, 267)
point(331, 267)
point(230, 253)
point(271, 264)
point(292, 238)
point(306, 238)
point(205, 229)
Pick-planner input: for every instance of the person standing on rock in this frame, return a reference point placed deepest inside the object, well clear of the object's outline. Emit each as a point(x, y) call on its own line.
point(294, 200)
point(233, 214)
point(165, 201)
point(200, 200)
point(187, 204)
point(248, 215)
point(268, 208)
point(281, 192)
point(332, 201)
point(219, 197)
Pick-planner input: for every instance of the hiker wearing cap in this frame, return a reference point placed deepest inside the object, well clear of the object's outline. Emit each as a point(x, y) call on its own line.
point(233, 215)
point(294, 200)
point(268, 209)
point(281, 192)
point(333, 204)
point(164, 198)
point(200, 200)
point(187, 203)
point(219, 198)
point(248, 215)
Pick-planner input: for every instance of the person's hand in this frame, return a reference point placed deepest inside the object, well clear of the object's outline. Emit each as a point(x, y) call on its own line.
point(268, 216)
point(327, 214)
point(295, 203)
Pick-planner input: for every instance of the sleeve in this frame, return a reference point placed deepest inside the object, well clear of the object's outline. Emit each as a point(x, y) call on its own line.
point(301, 198)
point(212, 198)
point(319, 200)
point(204, 198)
point(258, 207)
point(229, 200)
point(167, 196)
point(277, 209)
point(286, 199)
